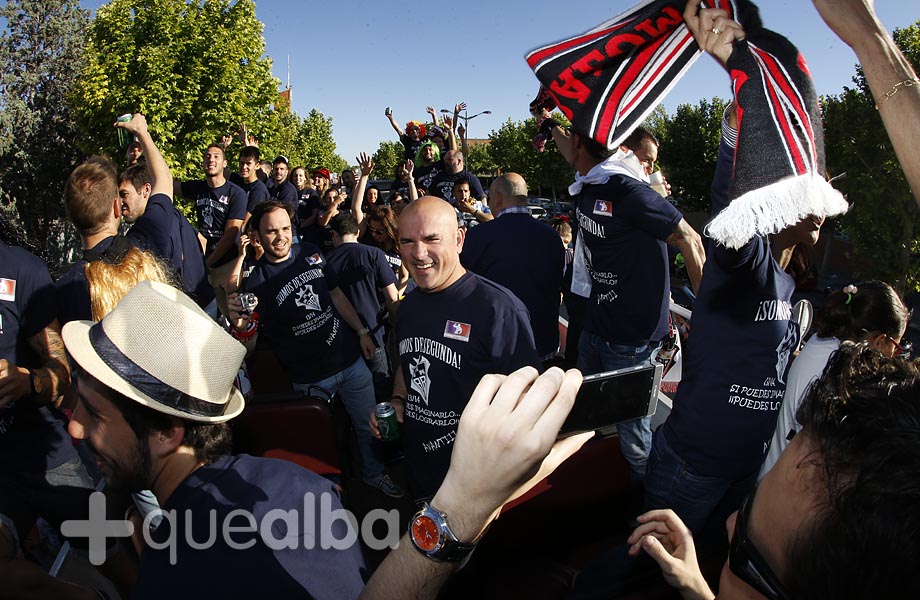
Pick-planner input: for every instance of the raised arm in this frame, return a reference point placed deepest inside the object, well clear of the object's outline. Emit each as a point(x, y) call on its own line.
point(451, 136)
point(159, 171)
point(434, 115)
point(410, 167)
point(892, 80)
point(399, 131)
point(357, 201)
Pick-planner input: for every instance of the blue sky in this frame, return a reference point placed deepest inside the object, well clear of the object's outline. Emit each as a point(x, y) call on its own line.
point(353, 58)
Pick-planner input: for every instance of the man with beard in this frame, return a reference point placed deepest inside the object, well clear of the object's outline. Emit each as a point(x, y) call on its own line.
point(146, 203)
point(283, 189)
point(302, 309)
point(155, 388)
point(221, 209)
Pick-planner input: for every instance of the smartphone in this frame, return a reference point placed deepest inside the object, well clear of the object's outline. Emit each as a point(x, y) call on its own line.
point(606, 399)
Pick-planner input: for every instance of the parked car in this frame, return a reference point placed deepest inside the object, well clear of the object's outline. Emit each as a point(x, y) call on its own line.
point(537, 212)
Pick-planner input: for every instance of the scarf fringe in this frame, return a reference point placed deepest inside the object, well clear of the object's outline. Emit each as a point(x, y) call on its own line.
point(772, 208)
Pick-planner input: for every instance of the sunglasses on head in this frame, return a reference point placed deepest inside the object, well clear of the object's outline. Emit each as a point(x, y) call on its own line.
point(747, 563)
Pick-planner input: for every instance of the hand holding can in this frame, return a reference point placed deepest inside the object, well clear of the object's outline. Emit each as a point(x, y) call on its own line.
point(124, 136)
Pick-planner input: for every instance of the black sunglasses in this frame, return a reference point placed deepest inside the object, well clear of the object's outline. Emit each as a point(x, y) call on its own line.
point(746, 562)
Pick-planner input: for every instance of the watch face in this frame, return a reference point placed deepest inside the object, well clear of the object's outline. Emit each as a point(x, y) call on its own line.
point(425, 533)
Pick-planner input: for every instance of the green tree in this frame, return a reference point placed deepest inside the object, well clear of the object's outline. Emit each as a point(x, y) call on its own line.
point(511, 149)
point(388, 155)
point(196, 69)
point(689, 148)
point(305, 142)
point(40, 57)
point(884, 221)
point(480, 159)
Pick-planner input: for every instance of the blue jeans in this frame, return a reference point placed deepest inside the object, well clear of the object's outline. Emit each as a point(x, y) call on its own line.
point(597, 355)
point(356, 389)
point(379, 367)
point(694, 496)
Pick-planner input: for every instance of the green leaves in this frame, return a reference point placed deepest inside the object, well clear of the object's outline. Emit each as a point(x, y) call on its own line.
point(40, 58)
point(195, 69)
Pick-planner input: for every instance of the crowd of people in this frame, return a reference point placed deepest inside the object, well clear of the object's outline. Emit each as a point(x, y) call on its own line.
point(136, 352)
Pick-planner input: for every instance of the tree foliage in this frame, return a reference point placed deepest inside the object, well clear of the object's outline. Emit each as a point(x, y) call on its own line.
point(511, 150)
point(196, 69)
point(306, 142)
point(884, 220)
point(689, 148)
point(388, 155)
point(40, 57)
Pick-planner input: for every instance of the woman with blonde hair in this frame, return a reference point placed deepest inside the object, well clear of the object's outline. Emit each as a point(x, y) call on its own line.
point(110, 278)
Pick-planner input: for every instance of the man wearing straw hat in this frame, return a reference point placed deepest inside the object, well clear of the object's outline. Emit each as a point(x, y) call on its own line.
point(155, 387)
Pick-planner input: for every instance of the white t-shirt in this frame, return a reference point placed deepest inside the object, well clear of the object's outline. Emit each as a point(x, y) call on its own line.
point(807, 367)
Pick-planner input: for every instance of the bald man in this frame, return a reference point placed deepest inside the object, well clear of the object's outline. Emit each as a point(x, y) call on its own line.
point(524, 255)
point(452, 329)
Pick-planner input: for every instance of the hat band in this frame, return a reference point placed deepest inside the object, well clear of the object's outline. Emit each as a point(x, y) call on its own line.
point(138, 377)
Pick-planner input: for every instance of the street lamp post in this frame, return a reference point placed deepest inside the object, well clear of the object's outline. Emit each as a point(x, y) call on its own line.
point(465, 118)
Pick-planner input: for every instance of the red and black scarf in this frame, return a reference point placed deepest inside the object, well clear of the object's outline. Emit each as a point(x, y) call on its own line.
point(608, 80)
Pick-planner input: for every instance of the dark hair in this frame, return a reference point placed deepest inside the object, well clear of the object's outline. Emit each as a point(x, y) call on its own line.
point(634, 140)
point(263, 208)
point(874, 307)
point(387, 217)
point(138, 174)
point(344, 224)
point(863, 540)
point(251, 152)
point(209, 441)
point(219, 147)
point(595, 149)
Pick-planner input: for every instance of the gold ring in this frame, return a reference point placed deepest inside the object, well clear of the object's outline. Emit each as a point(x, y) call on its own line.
point(716, 30)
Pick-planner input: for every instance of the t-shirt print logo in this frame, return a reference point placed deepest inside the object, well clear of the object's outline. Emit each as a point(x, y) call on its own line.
point(456, 330)
point(314, 259)
point(305, 298)
point(418, 377)
point(603, 208)
point(8, 289)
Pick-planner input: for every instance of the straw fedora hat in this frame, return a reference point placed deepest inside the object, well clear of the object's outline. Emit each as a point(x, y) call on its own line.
point(158, 348)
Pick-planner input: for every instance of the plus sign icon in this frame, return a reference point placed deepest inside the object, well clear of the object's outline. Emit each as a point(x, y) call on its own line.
point(97, 529)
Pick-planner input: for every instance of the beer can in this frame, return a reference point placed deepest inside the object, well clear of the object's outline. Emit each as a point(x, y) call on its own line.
point(124, 136)
point(386, 421)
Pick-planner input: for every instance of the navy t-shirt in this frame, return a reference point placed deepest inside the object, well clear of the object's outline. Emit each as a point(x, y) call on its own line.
point(308, 205)
point(214, 207)
point(256, 194)
point(307, 334)
point(279, 552)
point(362, 271)
point(527, 257)
point(443, 185)
point(163, 230)
point(72, 289)
point(285, 192)
point(425, 175)
point(737, 358)
point(447, 341)
point(624, 223)
point(32, 438)
point(411, 147)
